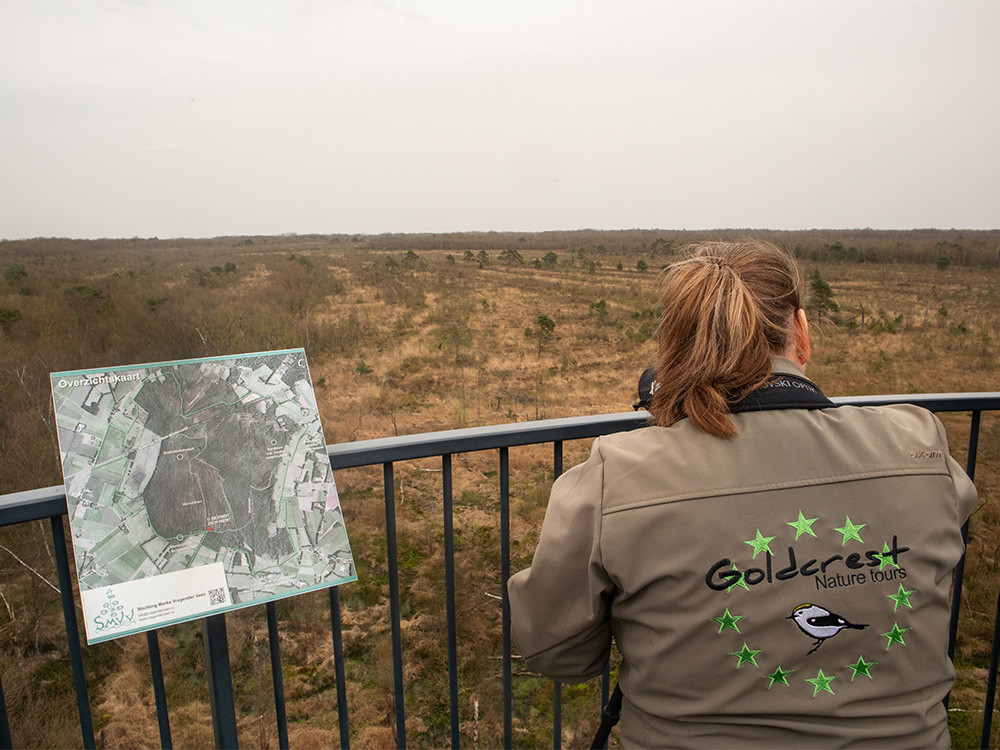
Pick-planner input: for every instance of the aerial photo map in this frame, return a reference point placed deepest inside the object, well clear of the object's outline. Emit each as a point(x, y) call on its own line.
point(196, 487)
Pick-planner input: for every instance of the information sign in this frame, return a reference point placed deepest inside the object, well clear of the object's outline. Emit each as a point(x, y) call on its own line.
point(196, 487)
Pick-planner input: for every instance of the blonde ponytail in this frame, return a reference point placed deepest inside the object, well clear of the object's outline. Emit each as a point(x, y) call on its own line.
point(726, 308)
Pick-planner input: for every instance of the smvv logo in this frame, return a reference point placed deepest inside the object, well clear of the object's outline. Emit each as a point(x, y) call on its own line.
point(113, 614)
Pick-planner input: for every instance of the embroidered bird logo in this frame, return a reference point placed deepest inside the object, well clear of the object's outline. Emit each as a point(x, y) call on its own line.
point(820, 623)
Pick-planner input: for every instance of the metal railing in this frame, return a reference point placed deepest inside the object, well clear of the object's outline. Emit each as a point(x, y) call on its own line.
point(50, 503)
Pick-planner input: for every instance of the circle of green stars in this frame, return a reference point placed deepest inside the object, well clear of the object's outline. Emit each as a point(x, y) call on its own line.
point(850, 531)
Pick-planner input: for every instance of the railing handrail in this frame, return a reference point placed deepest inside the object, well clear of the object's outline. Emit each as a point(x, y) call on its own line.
point(45, 502)
point(32, 505)
point(471, 439)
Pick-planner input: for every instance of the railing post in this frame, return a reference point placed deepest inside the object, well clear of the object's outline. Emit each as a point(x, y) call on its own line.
point(557, 470)
point(72, 632)
point(220, 682)
point(556, 715)
point(605, 686)
point(338, 668)
point(159, 692)
point(397, 636)
point(508, 724)
point(991, 681)
point(956, 598)
point(277, 678)
point(449, 583)
point(5, 741)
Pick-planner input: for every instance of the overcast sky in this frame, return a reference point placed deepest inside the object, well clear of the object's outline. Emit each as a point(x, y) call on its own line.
point(204, 118)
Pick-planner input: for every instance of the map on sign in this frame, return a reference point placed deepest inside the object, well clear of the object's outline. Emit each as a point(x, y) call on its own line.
point(196, 487)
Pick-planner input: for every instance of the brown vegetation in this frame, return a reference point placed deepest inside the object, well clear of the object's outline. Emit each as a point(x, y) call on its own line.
point(408, 334)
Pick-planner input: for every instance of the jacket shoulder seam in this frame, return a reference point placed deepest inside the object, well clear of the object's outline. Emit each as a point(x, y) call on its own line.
point(747, 489)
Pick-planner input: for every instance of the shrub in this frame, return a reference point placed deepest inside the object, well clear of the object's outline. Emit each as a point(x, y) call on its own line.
point(14, 273)
point(8, 318)
point(821, 302)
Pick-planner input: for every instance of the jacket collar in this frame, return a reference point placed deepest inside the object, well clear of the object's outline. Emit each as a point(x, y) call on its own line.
point(788, 388)
point(784, 366)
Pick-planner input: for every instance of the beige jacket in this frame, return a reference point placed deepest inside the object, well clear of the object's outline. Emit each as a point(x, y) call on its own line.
point(789, 587)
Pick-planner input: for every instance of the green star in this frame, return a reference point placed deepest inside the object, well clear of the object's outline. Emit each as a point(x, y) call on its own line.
point(779, 676)
point(901, 598)
point(821, 682)
point(885, 558)
point(850, 531)
point(803, 525)
point(895, 635)
point(746, 655)
point(760, 544)
point(861, 667)
point(742, 582)
point(728, 621)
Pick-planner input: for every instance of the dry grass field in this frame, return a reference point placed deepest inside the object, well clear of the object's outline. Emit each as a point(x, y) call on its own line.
point(409, 334)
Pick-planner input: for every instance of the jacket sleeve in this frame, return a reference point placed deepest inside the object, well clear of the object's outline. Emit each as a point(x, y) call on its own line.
point(966, 495)
point(965, 491)
point(560, 605)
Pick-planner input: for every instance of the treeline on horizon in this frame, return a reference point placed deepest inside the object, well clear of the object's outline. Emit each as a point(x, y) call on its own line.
point(979, 248)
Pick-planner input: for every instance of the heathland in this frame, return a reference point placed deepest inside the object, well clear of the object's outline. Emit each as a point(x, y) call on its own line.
point(416, 333)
